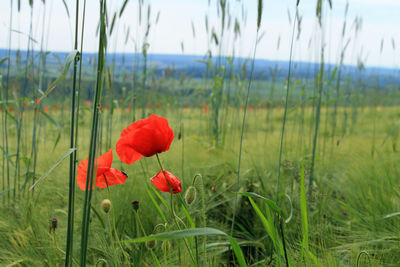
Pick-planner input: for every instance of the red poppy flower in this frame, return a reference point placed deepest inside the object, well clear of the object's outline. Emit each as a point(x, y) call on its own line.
point(105, 175)
point(163, 184)
point(144, 138)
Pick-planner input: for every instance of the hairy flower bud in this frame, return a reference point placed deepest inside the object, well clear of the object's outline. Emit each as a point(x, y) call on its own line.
point(106, 205)
point(190, 195)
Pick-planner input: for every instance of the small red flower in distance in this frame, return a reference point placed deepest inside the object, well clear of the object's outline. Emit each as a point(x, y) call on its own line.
point(163, 184)
point(206, 109)
point(144, 138)
point(87, 103)
point(105, 175)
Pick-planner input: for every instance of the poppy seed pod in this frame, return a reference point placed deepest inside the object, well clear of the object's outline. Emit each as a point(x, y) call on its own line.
point(190, 195)
point(135, 205)
point(106, 205)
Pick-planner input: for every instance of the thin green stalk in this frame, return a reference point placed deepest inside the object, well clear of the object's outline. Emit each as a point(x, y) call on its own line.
point(6, 102)
point(94, 137)
point(282, 232)
point(3, 128)
point(36, 111)
point(286, 108)
point(173, 211)
point(72, 158)
point(17, 159)
point(183, 150)
point(339, 76)
point(318, 114)
point(34, 144)
point(80, 78)
point(144, 74)
point(42, 68)
point(203, 208)
point(244, 117)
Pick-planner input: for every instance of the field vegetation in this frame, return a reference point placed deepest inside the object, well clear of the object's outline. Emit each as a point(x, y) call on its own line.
point(275, 167)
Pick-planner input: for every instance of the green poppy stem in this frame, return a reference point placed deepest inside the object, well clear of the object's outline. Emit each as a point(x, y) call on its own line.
point(174, 216)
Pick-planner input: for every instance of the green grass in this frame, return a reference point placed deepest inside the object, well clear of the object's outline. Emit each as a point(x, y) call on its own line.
point(352, 194)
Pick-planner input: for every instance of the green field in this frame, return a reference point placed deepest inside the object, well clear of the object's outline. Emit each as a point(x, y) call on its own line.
point(243, 133)
point(352, 207)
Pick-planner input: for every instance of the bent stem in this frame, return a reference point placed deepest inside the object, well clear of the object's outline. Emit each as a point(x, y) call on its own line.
point(173, 211)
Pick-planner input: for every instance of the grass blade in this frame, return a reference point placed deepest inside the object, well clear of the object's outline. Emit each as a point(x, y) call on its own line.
point(53, 167)
point(47, 116)
point(70, 58)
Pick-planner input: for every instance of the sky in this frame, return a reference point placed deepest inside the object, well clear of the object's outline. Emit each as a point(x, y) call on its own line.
point(173, 33)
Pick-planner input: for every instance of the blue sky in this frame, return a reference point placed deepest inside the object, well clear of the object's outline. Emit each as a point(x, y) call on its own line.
point(379, 21)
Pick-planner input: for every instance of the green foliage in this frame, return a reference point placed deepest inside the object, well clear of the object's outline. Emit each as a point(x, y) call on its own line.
point(194, 232)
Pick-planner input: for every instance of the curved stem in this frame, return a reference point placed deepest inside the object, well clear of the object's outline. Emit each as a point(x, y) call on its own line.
point(173, 211)
point(285, 111)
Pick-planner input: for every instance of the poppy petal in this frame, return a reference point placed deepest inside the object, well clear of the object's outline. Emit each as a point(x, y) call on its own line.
point(137, 124)
point(126, 152)
point(113, 177)
point(155, 137)
point(103, 164)
point(149, 143)
point(82, 173)
point(144, 137)
point(163, 184)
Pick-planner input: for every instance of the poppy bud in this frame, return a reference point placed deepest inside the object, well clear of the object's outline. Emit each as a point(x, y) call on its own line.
point(135, 205)
point(106, 205)
point(166, 182)
point(53, 224)
point(190, 195)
